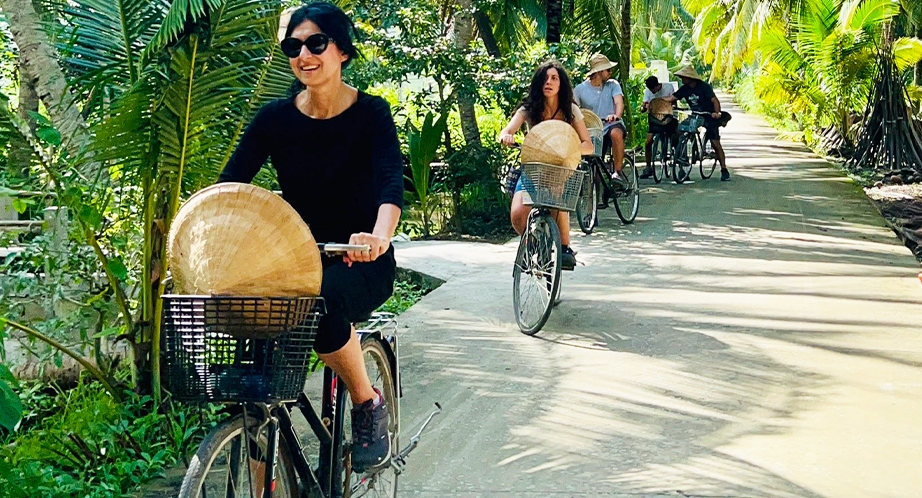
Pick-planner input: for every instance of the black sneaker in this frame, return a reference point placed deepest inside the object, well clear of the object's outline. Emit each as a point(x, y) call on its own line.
point(371, 444)
point(567, 259)
point(725, 175)
point(647, 173)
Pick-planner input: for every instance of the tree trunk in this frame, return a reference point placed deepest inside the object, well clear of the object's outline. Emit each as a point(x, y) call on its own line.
point(485, 27)
point(625, 42)
point(554, 21)
point(20, 152)
point(463, 34)
point(38, 60)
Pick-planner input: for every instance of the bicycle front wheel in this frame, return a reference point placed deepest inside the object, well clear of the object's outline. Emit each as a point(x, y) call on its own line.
point(659, 158)
point(586, 206)
point(380, 483)
point(627, 198)
point(684, 154)
point(536, 276)
point(226, 465)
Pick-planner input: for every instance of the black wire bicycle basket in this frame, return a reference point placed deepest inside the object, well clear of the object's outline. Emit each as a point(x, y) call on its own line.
point(239, 349)
point(689, 122)
point(552, 186)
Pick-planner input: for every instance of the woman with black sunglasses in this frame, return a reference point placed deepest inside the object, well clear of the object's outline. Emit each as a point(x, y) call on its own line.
point(338, 160)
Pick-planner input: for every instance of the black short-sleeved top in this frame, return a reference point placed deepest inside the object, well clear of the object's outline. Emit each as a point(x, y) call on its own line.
point(335, 172)
point(699, 97)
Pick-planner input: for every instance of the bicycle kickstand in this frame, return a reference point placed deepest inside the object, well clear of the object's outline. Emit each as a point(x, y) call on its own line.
point(399, 462)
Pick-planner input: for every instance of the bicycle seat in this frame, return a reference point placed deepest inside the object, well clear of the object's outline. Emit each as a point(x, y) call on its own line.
point(363, 318)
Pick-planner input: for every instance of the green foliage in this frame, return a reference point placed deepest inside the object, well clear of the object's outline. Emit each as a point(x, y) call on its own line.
point(423, 143)
point(80, 442)
point(10, 405)
point(406, 294)
point(480, 208)
point(675, 47)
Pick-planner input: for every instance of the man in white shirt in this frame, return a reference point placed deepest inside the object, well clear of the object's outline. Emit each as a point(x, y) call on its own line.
point(604, 97)
point(655, 90)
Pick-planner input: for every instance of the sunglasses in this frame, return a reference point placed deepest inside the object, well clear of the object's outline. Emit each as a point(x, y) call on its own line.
point(316, 43)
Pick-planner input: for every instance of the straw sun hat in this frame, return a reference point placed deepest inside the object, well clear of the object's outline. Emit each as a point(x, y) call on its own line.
point(688, 72)
point(599, 62)
point(237, 239)
point(552, 142)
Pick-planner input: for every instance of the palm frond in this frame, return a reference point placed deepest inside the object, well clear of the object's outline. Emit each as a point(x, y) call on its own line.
point(178, 20)
point(103, 42)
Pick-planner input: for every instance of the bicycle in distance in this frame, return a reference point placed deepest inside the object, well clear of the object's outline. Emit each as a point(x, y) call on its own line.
point(536, 274)
point(599, 185)
point(253, 354)
point(690, 148)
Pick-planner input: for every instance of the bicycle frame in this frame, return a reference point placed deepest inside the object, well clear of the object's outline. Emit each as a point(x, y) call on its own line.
point(327, 426)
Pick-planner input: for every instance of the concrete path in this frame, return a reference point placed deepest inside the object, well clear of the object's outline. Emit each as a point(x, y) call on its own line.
point(754, 338)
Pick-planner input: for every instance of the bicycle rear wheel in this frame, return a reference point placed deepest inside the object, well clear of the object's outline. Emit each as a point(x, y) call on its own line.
point(222, 466)
point(536, 275)
point(586, 206)
point(683, 161)
point(381, 483)
point(659, 159)
point(627, 198)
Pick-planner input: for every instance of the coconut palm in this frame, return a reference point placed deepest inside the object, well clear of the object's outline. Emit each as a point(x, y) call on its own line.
point(821, 65)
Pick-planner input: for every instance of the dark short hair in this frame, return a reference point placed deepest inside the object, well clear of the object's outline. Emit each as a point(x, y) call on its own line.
point(332, 21)
point(651, 82)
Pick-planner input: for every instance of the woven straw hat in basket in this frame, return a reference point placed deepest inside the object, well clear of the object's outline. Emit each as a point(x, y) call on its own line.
point(552, 142)
point(660, 107)
point(592, 120)
point(237, 239)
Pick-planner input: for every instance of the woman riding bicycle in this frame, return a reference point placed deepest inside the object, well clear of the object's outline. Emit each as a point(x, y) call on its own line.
point(550, 96)
point(338, 160)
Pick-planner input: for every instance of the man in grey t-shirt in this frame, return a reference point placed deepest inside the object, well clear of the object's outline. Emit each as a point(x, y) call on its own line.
point(604, 97)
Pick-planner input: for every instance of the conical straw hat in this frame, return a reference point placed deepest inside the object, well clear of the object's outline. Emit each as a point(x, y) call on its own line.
point(552, 142)
point(688, 72)
point(660, 107)
point(591, 120)
point(237, 239)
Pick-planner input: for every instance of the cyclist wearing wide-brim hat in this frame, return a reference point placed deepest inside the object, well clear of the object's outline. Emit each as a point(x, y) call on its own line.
point(604, 96)
point(700, 97)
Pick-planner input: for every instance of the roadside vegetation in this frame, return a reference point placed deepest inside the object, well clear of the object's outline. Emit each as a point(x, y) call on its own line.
point(125, 108)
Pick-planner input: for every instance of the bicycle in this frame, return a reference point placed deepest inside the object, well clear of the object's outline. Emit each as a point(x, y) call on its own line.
point(254, 354)
point(689, 149)
point(536, 273)
point(599, 181)
point(660, 160)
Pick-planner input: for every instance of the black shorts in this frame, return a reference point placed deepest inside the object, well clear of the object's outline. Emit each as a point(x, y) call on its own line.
point(711, 128)
point(668, 128)
point(350, 295)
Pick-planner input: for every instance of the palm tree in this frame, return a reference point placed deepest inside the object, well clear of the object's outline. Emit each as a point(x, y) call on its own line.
point(167, 89)
point(822, 64)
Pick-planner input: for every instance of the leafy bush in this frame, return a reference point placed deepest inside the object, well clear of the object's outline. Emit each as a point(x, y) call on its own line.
point(81, 442)
point(481, 209)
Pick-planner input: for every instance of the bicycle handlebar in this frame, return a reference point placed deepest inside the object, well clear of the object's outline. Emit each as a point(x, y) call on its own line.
point(332, 249)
